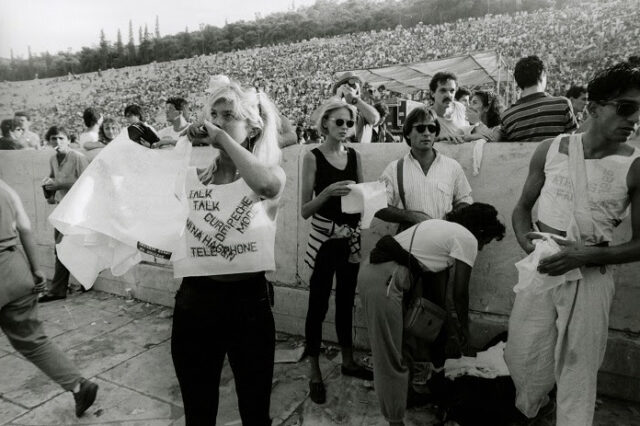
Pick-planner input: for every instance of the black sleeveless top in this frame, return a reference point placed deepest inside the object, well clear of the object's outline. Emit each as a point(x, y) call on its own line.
point(326, 174)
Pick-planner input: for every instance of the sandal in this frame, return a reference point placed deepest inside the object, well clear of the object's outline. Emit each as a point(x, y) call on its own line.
point(317, 392)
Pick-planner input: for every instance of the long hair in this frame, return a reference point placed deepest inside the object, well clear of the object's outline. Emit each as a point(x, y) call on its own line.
point(481, 219)
point(254, 107)
point(101, 136)
point(493, 103)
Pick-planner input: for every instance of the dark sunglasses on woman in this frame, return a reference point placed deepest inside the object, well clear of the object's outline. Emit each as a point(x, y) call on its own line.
point(340, 122)
point(623, 108)
point(420, 128)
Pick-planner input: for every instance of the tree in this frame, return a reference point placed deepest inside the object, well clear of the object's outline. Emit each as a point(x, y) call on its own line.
point(103, 52)
point(131, 48)
point(157, 32)
point(119, 59)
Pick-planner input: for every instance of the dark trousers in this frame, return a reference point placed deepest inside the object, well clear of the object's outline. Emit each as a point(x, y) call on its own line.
point(60, 280)
point(212, 319)
point(332, 258)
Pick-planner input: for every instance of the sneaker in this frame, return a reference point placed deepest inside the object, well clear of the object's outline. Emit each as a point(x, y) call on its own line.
point(50, 298)
point(85, 396)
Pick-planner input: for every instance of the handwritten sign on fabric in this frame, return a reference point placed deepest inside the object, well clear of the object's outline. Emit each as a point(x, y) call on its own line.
point(228, 230)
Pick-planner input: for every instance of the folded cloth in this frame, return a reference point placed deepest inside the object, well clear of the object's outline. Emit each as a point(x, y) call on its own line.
point(488, 364)
point(529, 279)
point(478, 150)
point(365, 198)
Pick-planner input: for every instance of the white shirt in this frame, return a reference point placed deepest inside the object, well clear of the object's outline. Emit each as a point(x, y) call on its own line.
point(87, 137)
point(435, 193)
point(170, 132)
point(454, 120)
point(229, 230)
point(438, 244)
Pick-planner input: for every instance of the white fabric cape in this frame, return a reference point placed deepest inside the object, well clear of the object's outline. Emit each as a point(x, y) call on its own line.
point(121, 209)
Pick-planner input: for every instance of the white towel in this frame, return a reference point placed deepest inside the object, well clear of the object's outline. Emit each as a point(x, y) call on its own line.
point(365, 198)
point(529, 279)
point(478, 150)
point(488, 364)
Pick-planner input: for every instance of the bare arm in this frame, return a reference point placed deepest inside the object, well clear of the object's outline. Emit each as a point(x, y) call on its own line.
point(395, 215)
point(359, 167)
point(368, 112)
point(263, 180)
point(23, 226)
point(92, 145)
point(311, 205)
point(521, 218)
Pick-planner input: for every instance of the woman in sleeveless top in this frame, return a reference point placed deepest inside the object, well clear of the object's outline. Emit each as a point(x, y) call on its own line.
point(224, 308)
point(334, 238)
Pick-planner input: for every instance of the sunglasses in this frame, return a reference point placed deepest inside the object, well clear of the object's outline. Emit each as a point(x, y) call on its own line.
point(420, 128)
point(340, 122)
point(623, 108)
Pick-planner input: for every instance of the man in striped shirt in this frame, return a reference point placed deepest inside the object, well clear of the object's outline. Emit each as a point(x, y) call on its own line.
point(536, 115)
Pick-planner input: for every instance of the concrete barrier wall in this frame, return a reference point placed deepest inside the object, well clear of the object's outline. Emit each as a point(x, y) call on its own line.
point(502, 174)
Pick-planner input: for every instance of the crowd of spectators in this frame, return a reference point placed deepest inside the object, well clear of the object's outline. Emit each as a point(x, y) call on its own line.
point(572, 42)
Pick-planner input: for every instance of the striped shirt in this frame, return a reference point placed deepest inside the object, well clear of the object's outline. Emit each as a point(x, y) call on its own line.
point(538, 116)
point(435, 193)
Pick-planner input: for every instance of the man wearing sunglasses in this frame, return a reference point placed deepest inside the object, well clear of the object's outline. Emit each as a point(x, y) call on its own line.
point(559, 336)
point(432, 184)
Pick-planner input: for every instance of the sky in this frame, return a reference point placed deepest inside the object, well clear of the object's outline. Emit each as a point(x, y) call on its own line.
point(56, 25)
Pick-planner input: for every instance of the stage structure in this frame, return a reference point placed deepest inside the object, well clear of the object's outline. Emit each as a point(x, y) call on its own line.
point(474, 70)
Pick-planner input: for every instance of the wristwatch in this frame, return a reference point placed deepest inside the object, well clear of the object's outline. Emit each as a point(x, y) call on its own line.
point(354, 101)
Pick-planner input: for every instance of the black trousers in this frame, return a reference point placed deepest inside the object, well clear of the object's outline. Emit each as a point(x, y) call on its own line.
point(60, 281)
point(213, 319)
point(332, 258)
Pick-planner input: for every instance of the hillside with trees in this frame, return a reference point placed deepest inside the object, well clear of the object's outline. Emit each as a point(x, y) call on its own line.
point(325, 18)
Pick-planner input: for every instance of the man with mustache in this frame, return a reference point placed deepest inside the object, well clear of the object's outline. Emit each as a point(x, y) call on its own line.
point(451, 113)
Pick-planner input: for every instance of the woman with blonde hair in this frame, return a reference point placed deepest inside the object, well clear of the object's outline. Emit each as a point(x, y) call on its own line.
point(334, 240)
point(223, 306)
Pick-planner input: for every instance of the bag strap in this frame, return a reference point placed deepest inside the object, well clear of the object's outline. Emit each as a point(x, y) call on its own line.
point(400, 178)
point(578, 176)
point(417, 289)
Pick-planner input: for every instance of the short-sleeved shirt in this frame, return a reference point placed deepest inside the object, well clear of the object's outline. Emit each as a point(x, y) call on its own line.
point(435, 193)
point(537, 117)
point(454, 122)
point(169, 132)
point(68, 170)
point(89, 136)
point(29, 140)
point(438, 244)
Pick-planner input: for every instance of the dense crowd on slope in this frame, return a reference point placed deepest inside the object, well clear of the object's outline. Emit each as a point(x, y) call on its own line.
point(573, 42)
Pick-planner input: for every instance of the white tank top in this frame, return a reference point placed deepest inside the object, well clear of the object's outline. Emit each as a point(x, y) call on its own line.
point(607, 190)
point(228, 231)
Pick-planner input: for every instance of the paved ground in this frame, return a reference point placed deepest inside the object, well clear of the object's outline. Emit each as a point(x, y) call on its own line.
point(123, 345)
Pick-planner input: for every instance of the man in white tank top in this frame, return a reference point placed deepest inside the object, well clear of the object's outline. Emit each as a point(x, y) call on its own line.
point(559, 336)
